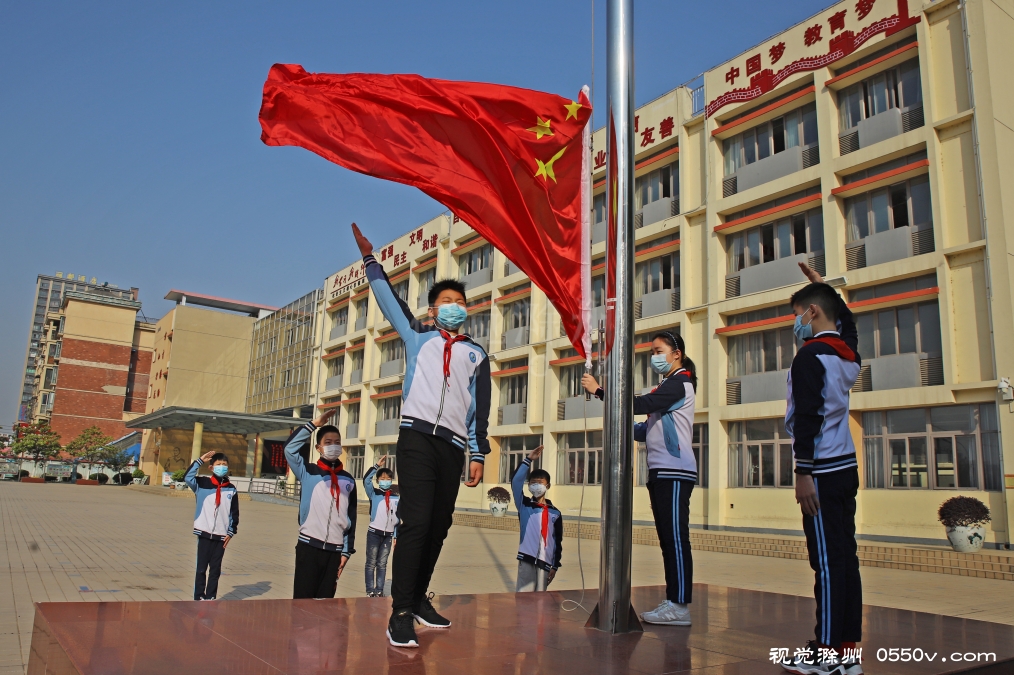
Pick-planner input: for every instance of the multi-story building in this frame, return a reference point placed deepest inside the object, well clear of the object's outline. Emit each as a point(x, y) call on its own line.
point(36, 404)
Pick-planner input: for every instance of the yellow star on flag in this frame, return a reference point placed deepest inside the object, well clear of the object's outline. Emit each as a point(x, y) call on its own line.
point(541, 128)
point(572, 110)
point(546, 170)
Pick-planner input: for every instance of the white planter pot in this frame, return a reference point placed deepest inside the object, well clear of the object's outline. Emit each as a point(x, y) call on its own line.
point(497, 509)
point(182, 486)
point(966, 539)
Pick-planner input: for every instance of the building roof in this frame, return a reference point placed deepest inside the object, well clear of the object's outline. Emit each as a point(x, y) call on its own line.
point(215, 421)
point(201, 300)
point(101, 299)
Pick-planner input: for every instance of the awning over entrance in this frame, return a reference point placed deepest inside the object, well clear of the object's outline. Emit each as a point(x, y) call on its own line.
point(213, 421)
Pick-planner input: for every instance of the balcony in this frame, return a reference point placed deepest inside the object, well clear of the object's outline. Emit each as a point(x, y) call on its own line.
point(771, 168)
point(361, 323)
point(515, 413)
point(352, 430)
point(900, 371)
point(388, 427)
point(883, 247)
point(770, 386)
point(333, 382)
point(338, 331)
point(576, 408)
point(477, 278)
point(395, 367)
point(515, 337)
point(510, 269)
point(887, 124)
point(774, 274)
point(598, 232)
point(657, 211)
point(658, 302)
point(356, 376)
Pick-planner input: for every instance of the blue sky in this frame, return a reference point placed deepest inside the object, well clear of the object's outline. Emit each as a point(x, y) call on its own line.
point(131, 150)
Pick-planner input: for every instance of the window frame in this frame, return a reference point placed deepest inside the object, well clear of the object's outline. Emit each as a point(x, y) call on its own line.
point(812, 221)
point(575, 462)
point(744, 145)
point(740, 466)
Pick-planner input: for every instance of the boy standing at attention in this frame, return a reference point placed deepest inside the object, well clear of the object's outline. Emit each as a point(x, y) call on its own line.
point(444, 416)
point(541, 527)
point(827, 476)
point(327, 510)
point(215, 521)
point(383, 530)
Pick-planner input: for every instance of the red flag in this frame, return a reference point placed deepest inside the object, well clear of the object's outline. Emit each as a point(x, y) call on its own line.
point(510, 162)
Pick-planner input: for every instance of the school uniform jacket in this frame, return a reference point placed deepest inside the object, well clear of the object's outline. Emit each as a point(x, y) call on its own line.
point(531, 549)
point(817, 410)
point(382, 518)
point(669, 431)
point(321, 523)
point(456, 408)
point(211, 521)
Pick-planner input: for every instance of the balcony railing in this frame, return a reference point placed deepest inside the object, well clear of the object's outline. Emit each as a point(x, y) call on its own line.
point(773, 274)
point(771, 168)
point(883, 247)
point(515, 337)
point(887, 124)
point(514, 413)
point(900, 371)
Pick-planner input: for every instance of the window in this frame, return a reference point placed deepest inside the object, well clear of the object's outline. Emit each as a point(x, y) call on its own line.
point(908, 329)
point(340, 318)
point(700, 447)
point(426, 281)
point(272, 344)
point(801, 233)
point(389, 408)
point(654, 185)
point(599, 290)
point(290, 336)
point(599, 208)
point(580, 458)
point(355, 460)
point(760, 454)
point(514, 389)
point(401, 290)
point(570, 380)
point(948, 447)
point(895, 88)
point(759, 315)
point(478, 258)
point(515, 314)
point(392, 350)
point(899, 205)
point(287, 377)
point(799, 127)
point(657, 274)
point(761, 352)
point(336, 367)
point(391, 450)
point(513, 449)
point(50, 378)
point(891, 288)
point(357, 359)
point(362, 306)
point(476, 325)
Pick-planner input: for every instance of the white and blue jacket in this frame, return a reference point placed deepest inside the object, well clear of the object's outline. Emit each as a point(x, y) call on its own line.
point(669, 431)
point(817, 410)
point(321, 525)
point(211, 521)
point(382, 519)
point(455, 409)
point(531, 549)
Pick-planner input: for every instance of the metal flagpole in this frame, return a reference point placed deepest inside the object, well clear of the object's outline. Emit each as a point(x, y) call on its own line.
point(614, 612)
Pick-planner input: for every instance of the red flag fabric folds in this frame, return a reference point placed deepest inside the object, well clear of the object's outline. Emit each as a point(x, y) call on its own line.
point(510, 162)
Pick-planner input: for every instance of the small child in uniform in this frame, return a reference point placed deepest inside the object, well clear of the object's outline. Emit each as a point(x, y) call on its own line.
point(215, 521)
point(541, 527)
point(383, 530)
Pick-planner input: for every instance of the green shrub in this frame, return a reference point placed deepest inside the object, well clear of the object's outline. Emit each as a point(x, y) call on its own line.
point(963, 512)
point(178, 475)
point(23, 474)
point(100, 477)
point(137, 473)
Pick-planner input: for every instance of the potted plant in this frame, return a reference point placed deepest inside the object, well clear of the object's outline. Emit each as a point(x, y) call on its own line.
point(964, 519)
point(499, 498)
point(178, 482)
point(138, 477)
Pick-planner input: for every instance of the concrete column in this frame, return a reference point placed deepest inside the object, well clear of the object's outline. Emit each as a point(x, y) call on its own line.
point(195, 452)
point(290, 478)
point(258, 456)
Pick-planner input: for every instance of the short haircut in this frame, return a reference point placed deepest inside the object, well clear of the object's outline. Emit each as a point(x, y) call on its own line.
point(327, 429)
point(819, 294)
point(540, 473)
point(384, 471)
point(219, 457)
point(445, 285)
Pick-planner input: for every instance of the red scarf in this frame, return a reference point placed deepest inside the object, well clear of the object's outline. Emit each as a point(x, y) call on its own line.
point(545, 522)
point(839, 346)
point(387, 501)
point(218, 488)
point(333, 470)
point(449, 341)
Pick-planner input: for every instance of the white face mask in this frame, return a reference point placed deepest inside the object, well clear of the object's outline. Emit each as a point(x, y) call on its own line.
point(537, 489)
point(331, 452)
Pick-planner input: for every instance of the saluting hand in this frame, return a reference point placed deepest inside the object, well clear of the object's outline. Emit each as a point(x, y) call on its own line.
point(324, 417)
point(365, 247)
point(810, 273)
point(536, 453)
point(207, 456)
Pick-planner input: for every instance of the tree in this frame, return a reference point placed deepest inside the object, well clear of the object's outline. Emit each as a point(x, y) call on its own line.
point(90, 446)
point(117, 460)
point(38, 443)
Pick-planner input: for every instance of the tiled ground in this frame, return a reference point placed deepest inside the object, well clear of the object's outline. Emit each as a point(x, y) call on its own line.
point(78, 543)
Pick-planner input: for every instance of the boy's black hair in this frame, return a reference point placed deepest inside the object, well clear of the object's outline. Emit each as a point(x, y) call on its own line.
point(219, 457)
point(819, 294)
point(675, 340)
point(327, 429)
point(445, 285)
point(540, 473)
point(395, 492)
point(384, 471)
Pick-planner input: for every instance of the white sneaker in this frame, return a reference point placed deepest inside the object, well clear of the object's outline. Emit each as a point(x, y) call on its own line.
point(668, 614)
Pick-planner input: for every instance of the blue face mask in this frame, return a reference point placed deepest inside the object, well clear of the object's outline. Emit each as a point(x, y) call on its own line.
point(220, 470)
point(660, 364)
point(803, 331)
point(385, 484)
point(451, 316)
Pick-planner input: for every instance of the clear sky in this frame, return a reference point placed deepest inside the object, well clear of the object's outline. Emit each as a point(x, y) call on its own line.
point(131, 151)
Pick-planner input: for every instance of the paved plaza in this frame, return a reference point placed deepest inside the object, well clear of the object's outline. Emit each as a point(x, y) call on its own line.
point(105, 543)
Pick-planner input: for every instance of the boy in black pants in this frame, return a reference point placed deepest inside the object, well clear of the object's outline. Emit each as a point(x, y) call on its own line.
point(215, 522)
point(444, 416)
point(827, 476)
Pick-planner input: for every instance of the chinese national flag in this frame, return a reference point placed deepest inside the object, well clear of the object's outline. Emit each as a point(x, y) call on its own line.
point(510, 162)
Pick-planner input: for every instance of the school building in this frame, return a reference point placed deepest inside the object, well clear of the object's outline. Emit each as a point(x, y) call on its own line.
point(871, 141)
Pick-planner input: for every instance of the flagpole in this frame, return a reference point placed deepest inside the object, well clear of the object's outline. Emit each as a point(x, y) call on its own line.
point(614, 612)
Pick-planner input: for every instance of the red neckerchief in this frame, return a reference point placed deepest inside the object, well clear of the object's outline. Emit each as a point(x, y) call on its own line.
point(218, 488)
point(387, 500)
point(545, 522)
point(839, 346)
point(333, 470)
point(449, 341)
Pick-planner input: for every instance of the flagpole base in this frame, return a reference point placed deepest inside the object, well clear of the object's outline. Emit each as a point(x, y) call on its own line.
point(633, 623)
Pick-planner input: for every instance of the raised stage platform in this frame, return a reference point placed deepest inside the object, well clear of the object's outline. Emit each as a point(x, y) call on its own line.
point(734, 632)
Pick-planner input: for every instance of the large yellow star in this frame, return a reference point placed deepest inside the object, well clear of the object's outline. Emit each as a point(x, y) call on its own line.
point(546, 170)
point(572, 110)
point(541, 128)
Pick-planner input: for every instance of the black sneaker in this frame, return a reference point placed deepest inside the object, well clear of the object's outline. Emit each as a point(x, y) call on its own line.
point(427, 615)
point(400, 631)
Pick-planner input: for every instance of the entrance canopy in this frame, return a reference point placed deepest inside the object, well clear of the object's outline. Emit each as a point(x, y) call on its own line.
point(214, 421)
